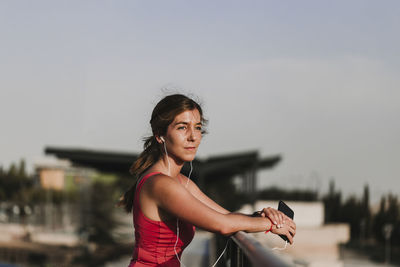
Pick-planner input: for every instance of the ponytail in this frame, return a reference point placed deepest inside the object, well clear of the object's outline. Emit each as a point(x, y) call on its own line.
point(147, 158)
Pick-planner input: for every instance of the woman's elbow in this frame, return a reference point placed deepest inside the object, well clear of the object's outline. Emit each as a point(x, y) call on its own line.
point(226, 226)
point(226, 230)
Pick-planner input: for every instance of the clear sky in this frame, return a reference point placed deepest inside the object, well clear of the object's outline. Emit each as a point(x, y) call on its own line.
point(315, 81)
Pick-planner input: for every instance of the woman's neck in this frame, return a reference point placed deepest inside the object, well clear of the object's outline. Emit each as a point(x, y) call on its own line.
point(168, 166)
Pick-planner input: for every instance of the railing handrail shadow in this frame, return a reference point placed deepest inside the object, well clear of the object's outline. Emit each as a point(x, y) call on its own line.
point(245, 251)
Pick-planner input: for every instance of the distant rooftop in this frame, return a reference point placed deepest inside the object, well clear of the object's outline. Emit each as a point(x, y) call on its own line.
point(220, 166)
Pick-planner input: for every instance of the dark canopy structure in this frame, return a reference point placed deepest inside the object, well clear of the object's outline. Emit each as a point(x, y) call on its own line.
point(226, 166)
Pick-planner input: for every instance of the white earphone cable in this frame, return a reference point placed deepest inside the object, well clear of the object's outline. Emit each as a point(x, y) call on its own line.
point(226, 246)
point(177, 220)
point(166, 153)
point(282, 248)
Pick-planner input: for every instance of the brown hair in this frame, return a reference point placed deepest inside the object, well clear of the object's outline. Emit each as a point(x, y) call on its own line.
point(162, 116)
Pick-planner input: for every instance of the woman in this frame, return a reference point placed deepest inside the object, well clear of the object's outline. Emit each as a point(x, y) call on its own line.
point(167, 205)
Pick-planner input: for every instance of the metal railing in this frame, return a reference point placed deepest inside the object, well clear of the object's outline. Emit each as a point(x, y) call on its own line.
point(246, 251)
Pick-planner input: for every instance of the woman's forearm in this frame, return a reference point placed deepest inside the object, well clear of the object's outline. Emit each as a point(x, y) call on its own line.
point(239, 222)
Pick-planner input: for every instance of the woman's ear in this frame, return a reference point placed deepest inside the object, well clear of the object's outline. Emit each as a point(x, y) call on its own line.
point(160, 139)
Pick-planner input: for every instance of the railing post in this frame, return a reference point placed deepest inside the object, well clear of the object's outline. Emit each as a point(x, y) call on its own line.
point(246, 261)
point(236, 255)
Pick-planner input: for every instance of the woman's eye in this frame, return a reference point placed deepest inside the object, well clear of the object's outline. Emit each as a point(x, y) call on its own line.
point(181, 127)
point(198, 128)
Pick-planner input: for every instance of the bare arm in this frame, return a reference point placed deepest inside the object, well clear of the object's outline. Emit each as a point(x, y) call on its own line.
point(279, 219)
point(174, 198)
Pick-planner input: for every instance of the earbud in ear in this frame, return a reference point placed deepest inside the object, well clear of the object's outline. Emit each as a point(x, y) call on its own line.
point(162, 138)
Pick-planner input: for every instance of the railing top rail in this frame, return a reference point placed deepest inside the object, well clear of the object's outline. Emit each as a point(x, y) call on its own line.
point(257, 254)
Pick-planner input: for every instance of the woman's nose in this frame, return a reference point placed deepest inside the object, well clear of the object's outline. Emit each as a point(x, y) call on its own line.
point(191, 134)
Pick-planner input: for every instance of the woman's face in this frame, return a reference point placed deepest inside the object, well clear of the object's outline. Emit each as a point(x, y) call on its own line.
point(184, 135)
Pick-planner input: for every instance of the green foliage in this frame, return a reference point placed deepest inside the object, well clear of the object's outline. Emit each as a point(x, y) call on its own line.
point(332, 202)
point(357, 213)
point(102, 205)
point(389, 213)
point(105, 178)
point(13, 181)
point(18, 187)
point(353, 211)
point(95, 201)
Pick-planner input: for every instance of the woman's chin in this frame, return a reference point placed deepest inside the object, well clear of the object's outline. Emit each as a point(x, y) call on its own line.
point(184, 157)
point(189, 158)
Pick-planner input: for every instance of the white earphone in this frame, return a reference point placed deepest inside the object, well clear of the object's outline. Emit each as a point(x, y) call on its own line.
point(177, 220)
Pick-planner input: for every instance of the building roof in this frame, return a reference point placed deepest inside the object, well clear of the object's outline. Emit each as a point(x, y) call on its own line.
point(226, 165)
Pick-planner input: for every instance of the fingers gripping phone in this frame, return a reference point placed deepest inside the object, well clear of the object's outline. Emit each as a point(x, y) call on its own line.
point(288, 212)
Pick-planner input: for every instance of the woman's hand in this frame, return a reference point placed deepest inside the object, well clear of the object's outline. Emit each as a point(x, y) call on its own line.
point(282, 224)
point(288, 229)
point(277, 217)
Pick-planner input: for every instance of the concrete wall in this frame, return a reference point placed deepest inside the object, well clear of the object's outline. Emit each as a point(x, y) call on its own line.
point(306, 214)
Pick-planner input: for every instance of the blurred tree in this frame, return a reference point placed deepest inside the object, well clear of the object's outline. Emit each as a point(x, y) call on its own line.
point(393, 217)
point(102, 222)
point(21, 172)
point(392, 213)
point(351, 213)
point(365, 227)
point(379, 220)
point(13, 181)
point(12, 171)
point(332, 202)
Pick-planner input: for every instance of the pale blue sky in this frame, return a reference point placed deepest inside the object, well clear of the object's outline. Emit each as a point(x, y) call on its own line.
point(315, 81)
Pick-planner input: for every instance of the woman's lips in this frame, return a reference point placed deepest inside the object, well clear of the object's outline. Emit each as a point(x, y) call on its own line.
point(190, 148)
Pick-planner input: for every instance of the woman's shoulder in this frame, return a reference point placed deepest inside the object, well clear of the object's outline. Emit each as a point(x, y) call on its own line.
point(159, 181)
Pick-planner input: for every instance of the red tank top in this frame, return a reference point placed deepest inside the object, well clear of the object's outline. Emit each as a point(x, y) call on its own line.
point(155, 240)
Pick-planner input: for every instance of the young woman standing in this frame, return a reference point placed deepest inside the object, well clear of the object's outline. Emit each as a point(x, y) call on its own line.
point(167, 205)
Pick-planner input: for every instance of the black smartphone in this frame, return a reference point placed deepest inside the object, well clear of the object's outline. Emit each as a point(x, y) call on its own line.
point(288, 212)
